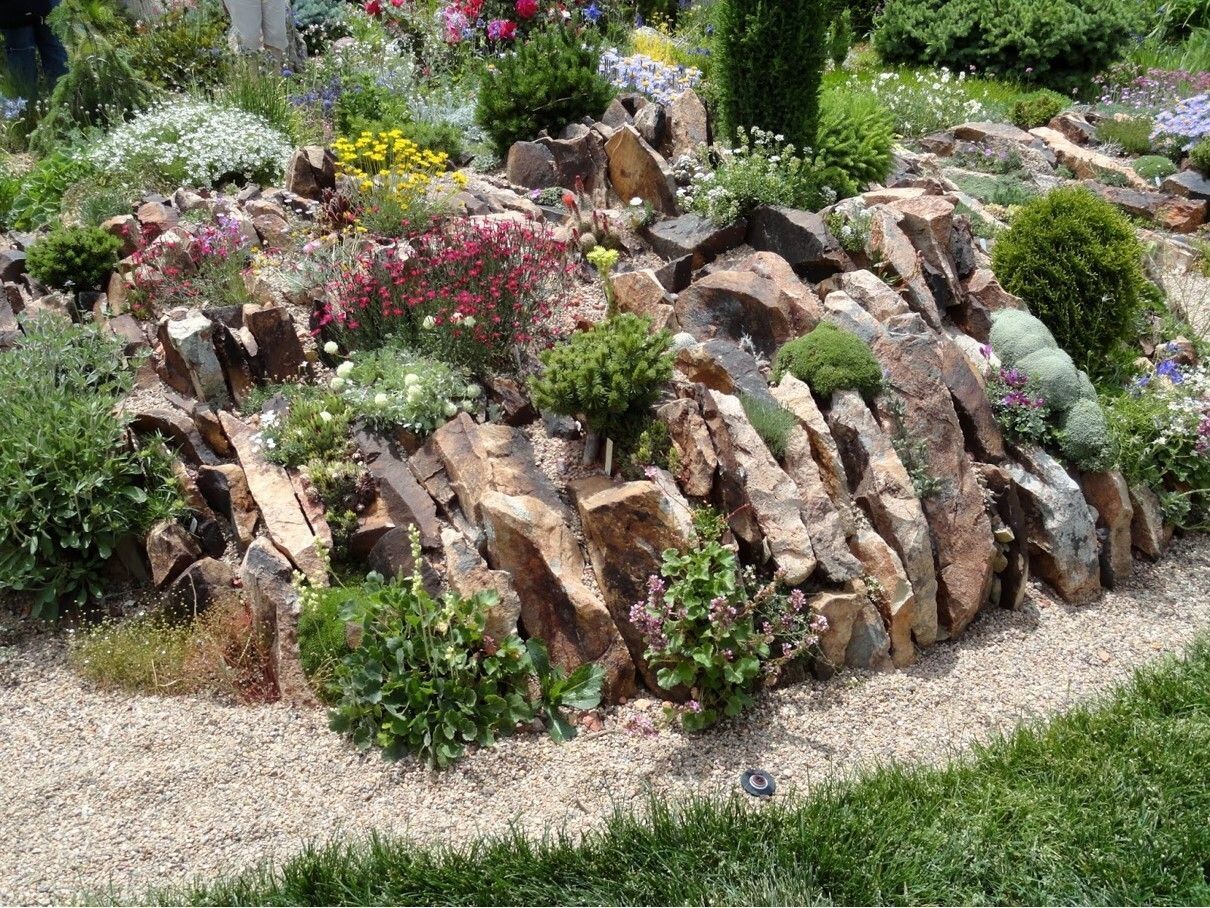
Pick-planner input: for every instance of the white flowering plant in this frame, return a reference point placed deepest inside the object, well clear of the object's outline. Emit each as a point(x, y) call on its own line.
point(925, 101)
point(185, 141)
point(393, 388)
point(762, 169)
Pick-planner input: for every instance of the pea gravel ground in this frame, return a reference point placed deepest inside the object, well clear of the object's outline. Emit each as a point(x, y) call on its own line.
point(100, 790)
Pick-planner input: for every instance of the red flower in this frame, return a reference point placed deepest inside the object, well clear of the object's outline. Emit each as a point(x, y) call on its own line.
point(373, 7)
point(527, 9)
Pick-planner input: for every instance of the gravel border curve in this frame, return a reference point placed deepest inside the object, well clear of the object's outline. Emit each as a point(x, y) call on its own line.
point(102, 789)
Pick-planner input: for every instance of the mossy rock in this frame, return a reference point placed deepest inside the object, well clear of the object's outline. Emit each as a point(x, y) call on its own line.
point(1016, 334)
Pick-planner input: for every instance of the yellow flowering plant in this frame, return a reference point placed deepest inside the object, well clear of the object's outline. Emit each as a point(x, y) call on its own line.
point(396, 185)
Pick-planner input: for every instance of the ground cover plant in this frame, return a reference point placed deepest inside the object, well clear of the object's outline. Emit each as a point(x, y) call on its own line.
point(1046, 815)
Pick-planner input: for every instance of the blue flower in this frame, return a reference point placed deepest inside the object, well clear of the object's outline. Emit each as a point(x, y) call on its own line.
point(593, 14)
point(1171, 371)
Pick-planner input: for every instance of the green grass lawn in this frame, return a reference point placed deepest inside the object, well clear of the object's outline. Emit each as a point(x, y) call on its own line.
point(1109, 804)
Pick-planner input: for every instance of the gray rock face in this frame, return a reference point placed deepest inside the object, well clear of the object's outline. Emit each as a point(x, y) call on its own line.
point(801, 238)
point(1062, 533)
point(188, 342)
point(883, 490)
point(772, 496)
point(688, 125)
point(693, 236)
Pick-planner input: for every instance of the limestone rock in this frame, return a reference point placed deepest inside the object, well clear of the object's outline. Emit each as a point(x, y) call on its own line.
point(627, 528)
point(532, 542)
point(190, 360)
point(1062, 534)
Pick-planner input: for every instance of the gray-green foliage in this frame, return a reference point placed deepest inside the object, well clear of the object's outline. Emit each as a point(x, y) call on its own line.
point(1057, 376)
point(769, 57)
point(1016, 334)
point(1084, 439)
point(71, 487)
point(772, 422)
point(609, 375)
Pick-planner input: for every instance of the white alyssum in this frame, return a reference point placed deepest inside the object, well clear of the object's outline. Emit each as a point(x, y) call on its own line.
point(195, 141)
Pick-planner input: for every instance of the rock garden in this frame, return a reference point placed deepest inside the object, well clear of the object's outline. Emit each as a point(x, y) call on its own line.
point(483, 370)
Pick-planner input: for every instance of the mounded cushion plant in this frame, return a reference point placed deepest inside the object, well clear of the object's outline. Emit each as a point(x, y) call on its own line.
point(1075, 260)
point(769, 57)
point(1061, 44)
point(1016, 334)
point(1199, 156)
point(1154, 167)
point(829, 359)
point(76, 257)
point(551, 80)
point(1084, 439)
point(1037, 108)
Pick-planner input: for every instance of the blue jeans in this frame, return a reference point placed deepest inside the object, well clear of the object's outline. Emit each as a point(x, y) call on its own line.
point(24, 46)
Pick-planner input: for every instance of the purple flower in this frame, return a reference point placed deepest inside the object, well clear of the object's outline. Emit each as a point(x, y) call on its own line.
point(1171, 371)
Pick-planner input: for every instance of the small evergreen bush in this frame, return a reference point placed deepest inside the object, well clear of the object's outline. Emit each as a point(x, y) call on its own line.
point(829, 359)
point(1037, 109)
point(1075, 260)
point(1199, 156)
point(1061, 44)
point(548, 82)
point(77, 257)
point(769, 57)
point(853, 143)
point(609, 376)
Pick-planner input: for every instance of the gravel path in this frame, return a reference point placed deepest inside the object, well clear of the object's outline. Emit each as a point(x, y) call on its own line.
point(134, 791)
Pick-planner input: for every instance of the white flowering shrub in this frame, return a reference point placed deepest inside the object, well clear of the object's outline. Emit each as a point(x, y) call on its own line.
point(391, 388)
point(924, 101)
point(195, 143)
point(760, 170)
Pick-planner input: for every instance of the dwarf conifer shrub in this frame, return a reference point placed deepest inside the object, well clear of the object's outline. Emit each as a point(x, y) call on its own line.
point(829, 359)
point(609, 375)
point(1199, 155)
point(1037, 109)
point(1061, 44)
point(1075, 260)
point(769, 57)
point(548, 82)
point(71, 487)
point(853, 143)
point(80, 258)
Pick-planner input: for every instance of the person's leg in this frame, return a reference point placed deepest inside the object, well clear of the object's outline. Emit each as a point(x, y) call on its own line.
point(53, 53)
point(246, 18)
point(274, 28)
point(20, 47)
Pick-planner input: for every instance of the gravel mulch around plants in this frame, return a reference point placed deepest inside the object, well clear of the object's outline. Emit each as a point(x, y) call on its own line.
point(101, 789)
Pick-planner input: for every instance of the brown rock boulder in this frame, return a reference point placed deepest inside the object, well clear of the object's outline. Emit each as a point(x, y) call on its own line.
point(801, 238)
point(697, 460)
point(1109, 496)
point(534, 544)
point(225, 488)
point(733, 304)
point(267, 578)
point(407, 503)
point(636, 170)
point(170, 550)
point(468, 575)
point(627, 528)
point(281, 352)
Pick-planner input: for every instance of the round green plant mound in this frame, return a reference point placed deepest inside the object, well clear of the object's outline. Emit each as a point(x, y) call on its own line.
point(1037, 108)
point(1077, 263)
point(1154, 167)
point(830, 359)
point(1057, 377)
point(1085, 439)
point(1016, 334)
point(79, 258)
